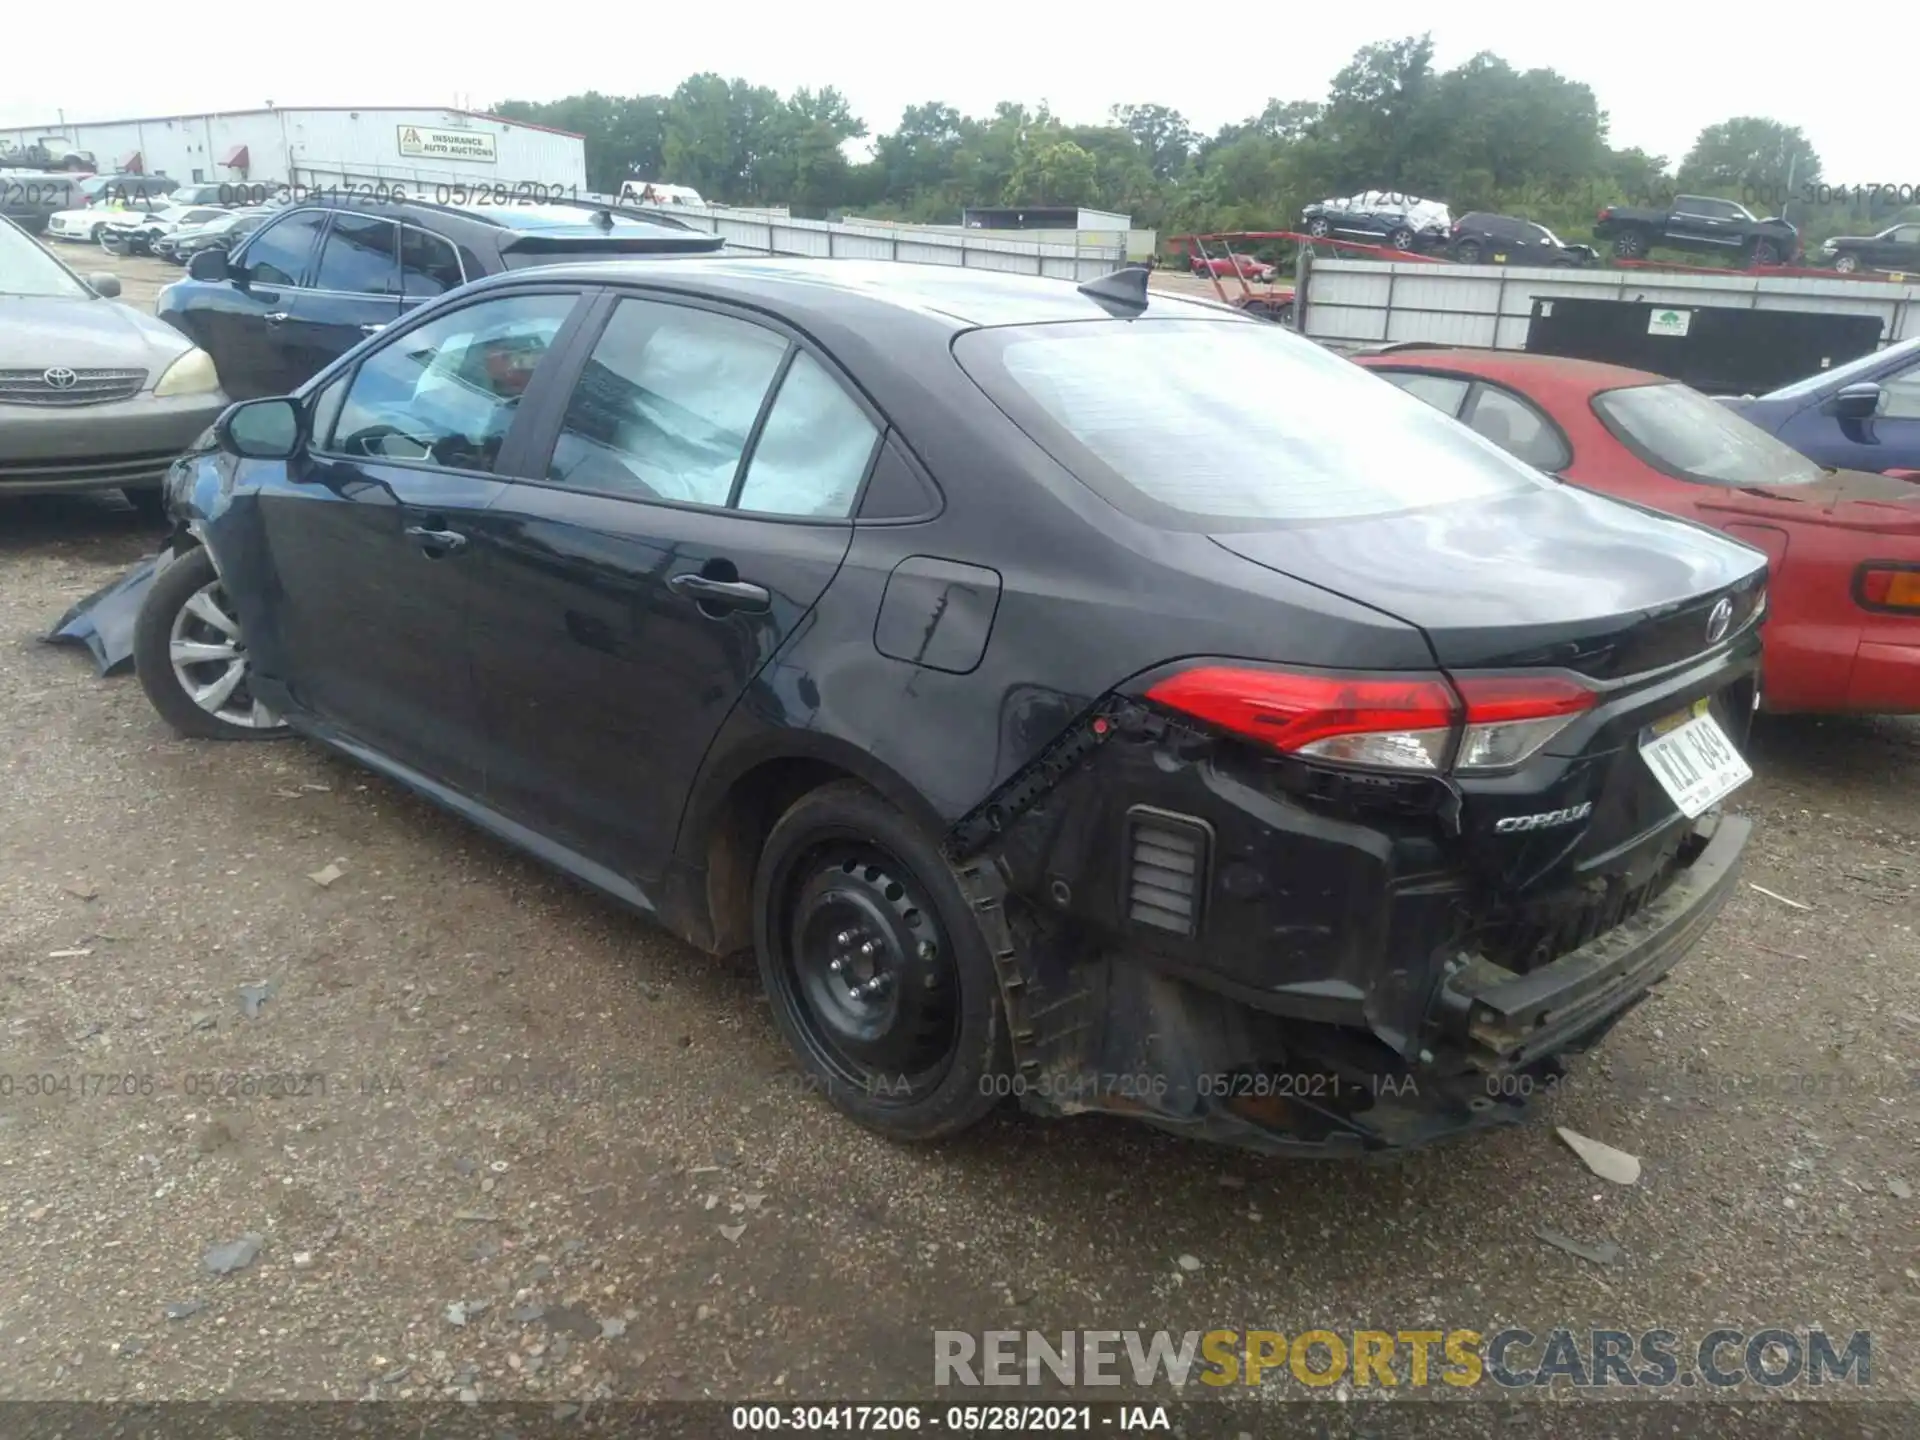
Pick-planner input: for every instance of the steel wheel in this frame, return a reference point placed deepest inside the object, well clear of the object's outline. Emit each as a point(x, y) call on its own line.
point(209, 658)
point(1847, 264)
point(869, 973)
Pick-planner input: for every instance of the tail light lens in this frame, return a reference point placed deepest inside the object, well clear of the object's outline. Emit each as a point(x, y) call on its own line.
point(1381, 722)
point(1886, 587)
point(1510, 717)
point(1605, 214)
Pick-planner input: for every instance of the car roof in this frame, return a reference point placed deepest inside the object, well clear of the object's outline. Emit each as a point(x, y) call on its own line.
point(961, 296)
point(556, 218)
point(1517, 367)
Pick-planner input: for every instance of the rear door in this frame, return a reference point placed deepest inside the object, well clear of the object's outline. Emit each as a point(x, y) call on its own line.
point(355, 292)
point(1898, 249)
point(695, 501)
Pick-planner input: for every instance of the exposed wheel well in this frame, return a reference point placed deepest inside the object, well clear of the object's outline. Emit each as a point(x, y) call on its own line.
point(738, 830)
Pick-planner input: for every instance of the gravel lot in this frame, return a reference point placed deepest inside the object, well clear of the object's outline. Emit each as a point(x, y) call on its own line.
point(530, 1148)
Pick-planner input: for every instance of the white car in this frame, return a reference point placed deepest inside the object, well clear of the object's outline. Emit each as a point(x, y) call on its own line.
point(78, 225)
point(133, 233)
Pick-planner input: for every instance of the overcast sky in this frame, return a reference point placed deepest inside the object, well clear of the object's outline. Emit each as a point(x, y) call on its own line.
point(1660, 73)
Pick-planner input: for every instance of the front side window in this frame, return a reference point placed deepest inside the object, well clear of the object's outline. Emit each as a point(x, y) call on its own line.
point(1681, 431)
point(278, 255)
point(1225, 423)
point(358, 257)
point(1900, 395)
point(1905, 235)
point(445, 393)
point(814, 449)
point(665, 406)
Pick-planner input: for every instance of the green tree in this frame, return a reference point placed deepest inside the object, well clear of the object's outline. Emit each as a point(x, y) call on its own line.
point(1051, 172)
point(1749, 155)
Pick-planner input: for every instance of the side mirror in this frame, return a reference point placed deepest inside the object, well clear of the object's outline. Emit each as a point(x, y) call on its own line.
point(260, 429)
point(209, 264)
point(105, 285)
point(1855, 402)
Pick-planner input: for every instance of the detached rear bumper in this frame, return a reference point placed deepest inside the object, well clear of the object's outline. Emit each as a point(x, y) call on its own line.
point(1504, 1022)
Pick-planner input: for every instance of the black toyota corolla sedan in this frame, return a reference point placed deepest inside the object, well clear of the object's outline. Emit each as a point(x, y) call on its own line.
point(1106, 701)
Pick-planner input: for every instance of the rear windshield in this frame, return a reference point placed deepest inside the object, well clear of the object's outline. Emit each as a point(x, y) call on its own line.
point(1230, 423)
point(1681, 431)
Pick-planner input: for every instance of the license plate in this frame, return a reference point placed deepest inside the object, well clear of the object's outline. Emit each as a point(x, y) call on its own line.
point(1695, 764)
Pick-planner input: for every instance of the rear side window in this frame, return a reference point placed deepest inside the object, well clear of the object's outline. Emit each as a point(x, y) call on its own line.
point(1229, 424)
point(813, 450)
point(1517, 428)
point(665, 406)
point(358, 257)
point(278, 254)
point(1443, 392)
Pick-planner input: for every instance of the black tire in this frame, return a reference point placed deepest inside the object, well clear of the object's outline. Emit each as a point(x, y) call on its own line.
point(1764, 252)
point(1630, 244)
point(1401, 239)
point(1467, 252)
point(153, 636)
point(149, 500)
point(1846, 264)
point(847, 885)
point(1319, 227)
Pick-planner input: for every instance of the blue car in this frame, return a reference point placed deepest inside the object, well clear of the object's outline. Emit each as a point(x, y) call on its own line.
point(1864, 415)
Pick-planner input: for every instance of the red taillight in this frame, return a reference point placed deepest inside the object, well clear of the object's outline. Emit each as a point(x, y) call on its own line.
point(1606, 214)
point(1395, 722)
point(1890, 588)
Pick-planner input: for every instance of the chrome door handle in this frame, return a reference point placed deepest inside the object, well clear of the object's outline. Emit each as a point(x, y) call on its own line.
point(276, 317)
point(371, 329)
point(431, 540)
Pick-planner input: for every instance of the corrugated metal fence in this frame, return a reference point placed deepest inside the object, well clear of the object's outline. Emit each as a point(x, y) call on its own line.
point(1363, 302)
point(758, 232)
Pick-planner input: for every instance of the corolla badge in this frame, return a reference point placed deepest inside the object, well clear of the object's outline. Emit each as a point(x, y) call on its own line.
point(1719, 620)
point(1546, 819)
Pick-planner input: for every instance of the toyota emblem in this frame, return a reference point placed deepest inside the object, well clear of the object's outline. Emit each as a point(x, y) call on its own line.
point(59, 377)
point(1719, 620)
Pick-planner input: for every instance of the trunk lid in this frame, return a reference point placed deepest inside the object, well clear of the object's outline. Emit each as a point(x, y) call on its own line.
point(1849, 499)
point(1547, 577)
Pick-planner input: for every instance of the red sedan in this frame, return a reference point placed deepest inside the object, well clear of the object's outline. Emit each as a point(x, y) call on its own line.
point(1844, 546)
point(1225, 265)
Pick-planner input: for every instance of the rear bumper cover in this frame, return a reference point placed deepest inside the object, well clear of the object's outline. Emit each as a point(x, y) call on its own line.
point(1505, 1022)
point(1126, 1036)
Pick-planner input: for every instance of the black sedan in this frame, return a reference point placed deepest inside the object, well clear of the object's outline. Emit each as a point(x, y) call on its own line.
point(1281, 763)
point(1896, 248)
point(1483, 238)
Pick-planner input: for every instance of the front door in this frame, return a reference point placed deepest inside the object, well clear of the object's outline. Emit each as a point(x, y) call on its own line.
point(695, 504)
point(237, 320)
point(370, 538)
point(355, 293)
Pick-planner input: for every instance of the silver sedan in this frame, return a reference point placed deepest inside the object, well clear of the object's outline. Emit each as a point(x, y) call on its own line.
point(93, 394)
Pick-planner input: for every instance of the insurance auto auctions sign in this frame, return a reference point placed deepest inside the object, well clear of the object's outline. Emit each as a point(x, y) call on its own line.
point(417, 140)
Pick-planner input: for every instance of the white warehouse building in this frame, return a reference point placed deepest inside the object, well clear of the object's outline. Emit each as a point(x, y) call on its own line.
point(328, 145)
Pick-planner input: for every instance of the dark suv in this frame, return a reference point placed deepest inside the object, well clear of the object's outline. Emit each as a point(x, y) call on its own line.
point(309, 286)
